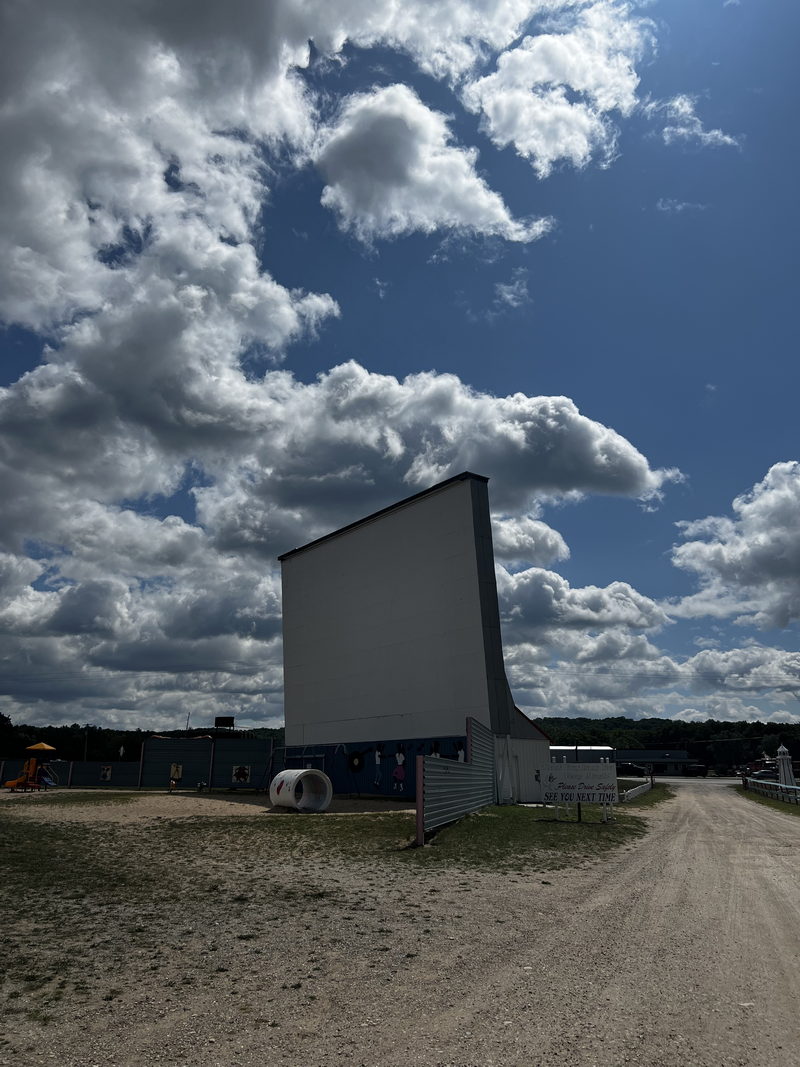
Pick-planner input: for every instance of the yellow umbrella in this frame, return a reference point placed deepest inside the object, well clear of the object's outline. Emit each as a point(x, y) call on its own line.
point(41, 747)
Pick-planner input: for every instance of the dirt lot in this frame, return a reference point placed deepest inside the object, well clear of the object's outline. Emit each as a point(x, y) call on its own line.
point(192, 930)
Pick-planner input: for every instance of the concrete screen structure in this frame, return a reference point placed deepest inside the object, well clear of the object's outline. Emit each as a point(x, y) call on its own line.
point(391, 627)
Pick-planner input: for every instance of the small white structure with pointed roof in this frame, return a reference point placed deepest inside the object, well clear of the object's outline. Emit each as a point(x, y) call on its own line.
point(785, 770)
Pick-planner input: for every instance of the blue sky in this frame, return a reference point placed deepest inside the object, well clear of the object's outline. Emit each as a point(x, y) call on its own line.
point(551, 242)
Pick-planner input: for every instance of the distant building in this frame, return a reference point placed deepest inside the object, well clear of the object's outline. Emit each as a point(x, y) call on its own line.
point(581, 753)
point(672, 761)
point(669, 761)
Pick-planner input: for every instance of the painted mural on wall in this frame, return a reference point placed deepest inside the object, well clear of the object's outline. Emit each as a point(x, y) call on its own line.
point(386, 768)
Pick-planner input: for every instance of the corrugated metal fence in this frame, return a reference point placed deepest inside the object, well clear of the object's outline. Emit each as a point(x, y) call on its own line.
point(448, 789)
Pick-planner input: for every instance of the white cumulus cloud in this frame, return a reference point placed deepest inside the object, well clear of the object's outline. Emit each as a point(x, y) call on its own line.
point(535, 599)
point(523, 539)
point(748, 565)
point(552, 94)
point(391, 169)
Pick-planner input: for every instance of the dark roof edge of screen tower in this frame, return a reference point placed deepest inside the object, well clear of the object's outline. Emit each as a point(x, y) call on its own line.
point(464, 476)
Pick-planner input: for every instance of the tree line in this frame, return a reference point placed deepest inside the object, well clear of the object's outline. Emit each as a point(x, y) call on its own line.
point(717, 744)
point(714, 743)
point(86, 741)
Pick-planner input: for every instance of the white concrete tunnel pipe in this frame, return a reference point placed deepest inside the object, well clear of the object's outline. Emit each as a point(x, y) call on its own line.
point(305, 790)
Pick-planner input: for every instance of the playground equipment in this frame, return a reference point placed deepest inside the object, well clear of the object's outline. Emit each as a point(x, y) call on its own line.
point(29, 779)
point(35, 774)
point(304, 790)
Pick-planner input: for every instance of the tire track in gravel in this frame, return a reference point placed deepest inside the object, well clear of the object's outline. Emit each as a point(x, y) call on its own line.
point(684, 950)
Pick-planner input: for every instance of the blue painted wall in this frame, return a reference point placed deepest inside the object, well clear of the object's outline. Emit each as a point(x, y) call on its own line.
point(369, 768)
point(385, 768)
point(224, 763)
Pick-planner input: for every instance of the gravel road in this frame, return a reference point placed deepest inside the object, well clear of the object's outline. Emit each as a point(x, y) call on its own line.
point(684, 950)
point(679, 949)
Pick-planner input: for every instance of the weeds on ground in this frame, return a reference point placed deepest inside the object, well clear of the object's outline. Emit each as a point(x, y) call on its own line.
point(496, 838)
point(130, 862)
point(81, 799)
point(518, 838)
point(778, 805)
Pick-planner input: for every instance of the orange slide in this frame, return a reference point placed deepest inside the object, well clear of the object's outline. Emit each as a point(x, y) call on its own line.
point(28, 779)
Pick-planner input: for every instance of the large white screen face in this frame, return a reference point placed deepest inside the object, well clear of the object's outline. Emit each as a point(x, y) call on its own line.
point(382, 627)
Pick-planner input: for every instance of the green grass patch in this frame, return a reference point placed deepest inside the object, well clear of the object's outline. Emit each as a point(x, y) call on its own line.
point(514, 837)
point(497, 838)
point(99, 863)
point(657, 795)
point(77, 860)
point(778, 805)
point(102, 861)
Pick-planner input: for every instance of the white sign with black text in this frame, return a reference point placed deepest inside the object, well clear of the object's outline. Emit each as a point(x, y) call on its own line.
point(583, 783)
